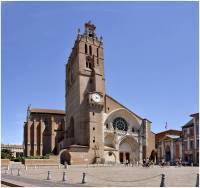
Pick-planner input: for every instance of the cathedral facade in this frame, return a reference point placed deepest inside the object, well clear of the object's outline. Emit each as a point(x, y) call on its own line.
point(94, 128)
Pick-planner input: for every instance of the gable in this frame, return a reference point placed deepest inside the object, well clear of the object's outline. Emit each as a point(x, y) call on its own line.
point(111, 105)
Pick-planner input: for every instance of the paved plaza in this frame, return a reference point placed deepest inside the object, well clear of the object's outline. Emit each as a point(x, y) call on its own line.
point(105, 176)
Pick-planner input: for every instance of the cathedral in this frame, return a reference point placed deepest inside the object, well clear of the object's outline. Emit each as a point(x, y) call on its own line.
point(94, 127)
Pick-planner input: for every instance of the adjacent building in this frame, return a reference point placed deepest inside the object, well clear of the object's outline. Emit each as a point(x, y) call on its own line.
point(172, 145)
point(94, 128)
point(191, 140)
point(169, 145)
point(17, 150)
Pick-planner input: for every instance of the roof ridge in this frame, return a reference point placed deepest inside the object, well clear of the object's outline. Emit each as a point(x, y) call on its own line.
point(46, 110)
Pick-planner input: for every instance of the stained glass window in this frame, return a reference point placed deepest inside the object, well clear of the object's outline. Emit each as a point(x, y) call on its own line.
point(120, 124)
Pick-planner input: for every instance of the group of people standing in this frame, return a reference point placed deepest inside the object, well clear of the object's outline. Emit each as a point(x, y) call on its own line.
point(163, 163)
point(147, 163)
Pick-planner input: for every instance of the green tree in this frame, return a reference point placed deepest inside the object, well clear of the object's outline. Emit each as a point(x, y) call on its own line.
point(6, 154)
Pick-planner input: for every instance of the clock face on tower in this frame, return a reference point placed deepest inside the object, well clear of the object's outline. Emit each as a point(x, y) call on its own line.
point(96, 97)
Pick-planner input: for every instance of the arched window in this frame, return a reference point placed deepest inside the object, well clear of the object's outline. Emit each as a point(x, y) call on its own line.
point(71, 128)
point(90, 49)
point(86, 48)
point(90, 65)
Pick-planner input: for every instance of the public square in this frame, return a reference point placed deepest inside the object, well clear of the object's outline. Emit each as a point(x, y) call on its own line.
point(100, 94)
point(104, 176)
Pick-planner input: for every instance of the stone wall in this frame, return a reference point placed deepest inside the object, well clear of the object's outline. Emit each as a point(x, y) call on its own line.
point(5, 162)
point(111, 105)
point(40, 137)
point(52, 161)
point(151, 143)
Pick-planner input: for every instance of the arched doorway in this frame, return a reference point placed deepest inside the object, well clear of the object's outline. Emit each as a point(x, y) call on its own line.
point(128, 150)
point(124, 152)
point(65, 157)
point(167, 153)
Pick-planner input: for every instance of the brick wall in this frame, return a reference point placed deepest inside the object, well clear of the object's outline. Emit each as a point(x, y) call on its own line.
point(5, 162)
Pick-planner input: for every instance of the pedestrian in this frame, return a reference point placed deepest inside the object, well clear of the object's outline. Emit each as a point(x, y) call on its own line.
point(132, 163)
point(127, 163)
point(163, 162)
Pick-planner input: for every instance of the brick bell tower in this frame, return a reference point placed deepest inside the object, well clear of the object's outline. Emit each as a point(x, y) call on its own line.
point(85, 93)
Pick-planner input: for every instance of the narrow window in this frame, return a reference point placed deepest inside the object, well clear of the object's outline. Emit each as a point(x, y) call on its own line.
point(90, 48)
point(86, 64)
point(93, 113)
point(90, 65)
point(86, 48)
point(97, 52)
point(108, 108)
point(93, 128)
point(93, 139)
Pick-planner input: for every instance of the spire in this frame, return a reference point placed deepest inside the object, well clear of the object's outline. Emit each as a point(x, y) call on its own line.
point(28, 112)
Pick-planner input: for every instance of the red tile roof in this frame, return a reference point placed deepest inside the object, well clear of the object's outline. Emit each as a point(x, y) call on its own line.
point(162, 134)
point(47, 111)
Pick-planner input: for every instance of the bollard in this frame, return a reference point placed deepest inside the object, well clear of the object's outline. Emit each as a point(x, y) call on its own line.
point(162, 183)
point(25, 167)
point(18, 172)
point(64, 176)
point(197, 181)
point(49, 175)
point(84, 178)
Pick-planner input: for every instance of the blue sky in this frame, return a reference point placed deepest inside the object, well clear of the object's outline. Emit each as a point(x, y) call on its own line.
point(150, 48)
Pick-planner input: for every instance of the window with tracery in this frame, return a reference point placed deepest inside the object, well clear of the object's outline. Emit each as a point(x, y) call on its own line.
point(120, 124)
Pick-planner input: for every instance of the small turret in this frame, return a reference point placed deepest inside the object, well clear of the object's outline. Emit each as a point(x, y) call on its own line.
point(90, 29)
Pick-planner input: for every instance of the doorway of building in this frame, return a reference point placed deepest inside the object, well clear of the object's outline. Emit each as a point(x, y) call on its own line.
point(127, 156)
point(121, 157)
point(167, 154)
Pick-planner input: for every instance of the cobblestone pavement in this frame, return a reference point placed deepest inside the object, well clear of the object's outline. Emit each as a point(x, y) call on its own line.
point(114, 175)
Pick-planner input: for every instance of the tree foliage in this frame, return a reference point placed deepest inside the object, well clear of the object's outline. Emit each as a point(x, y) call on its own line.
point(6, 154)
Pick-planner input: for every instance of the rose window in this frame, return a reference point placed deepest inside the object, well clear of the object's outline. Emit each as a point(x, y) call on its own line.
point(120, 124)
